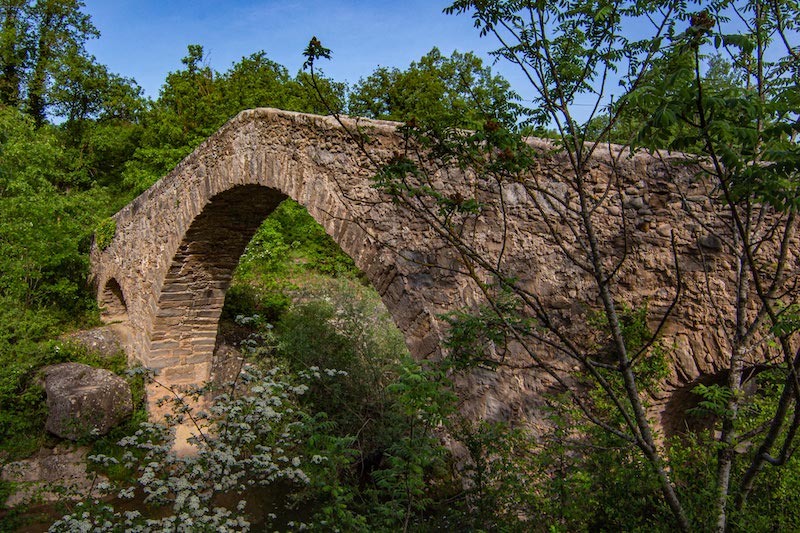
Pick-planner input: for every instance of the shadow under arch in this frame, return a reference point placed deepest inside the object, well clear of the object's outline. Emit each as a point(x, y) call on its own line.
point(681, 416)
point(185, 328)
point(178, 243)
point(193, 293)
point(113, 307)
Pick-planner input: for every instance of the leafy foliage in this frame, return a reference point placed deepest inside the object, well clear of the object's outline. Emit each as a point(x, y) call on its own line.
point(742, 124)
point(250, 436)
point(196, 101)
point(37, 40)
point(104, 233)
point(371, 451)
point(456, 90)
point(33, 160)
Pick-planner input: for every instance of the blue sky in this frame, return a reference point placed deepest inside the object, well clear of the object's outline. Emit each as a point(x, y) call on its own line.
point(146, 39)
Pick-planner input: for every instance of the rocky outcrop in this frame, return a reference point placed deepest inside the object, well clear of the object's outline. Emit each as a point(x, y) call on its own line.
point(82, 400)
point(50, 475)
point(107, 341)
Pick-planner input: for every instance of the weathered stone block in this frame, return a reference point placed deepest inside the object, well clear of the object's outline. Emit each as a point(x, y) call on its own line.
point(188, 374)
point(82, 400)
point(159, 360)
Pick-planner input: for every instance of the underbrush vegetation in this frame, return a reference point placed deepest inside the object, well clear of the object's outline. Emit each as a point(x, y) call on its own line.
point(329, 410)
point(332, 426)
point(22, 397)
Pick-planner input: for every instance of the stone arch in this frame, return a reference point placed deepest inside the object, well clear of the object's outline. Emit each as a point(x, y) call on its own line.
point(173, 282)
point(677, 418)
point(177, 244)
point(113, 306)
point(193, 293)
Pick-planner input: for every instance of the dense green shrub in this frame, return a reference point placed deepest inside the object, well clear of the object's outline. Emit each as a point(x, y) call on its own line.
point(311, 246)
point(244, 299)
point(104, 233)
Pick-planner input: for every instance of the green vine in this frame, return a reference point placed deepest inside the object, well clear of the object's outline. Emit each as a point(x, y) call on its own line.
point(104, 233)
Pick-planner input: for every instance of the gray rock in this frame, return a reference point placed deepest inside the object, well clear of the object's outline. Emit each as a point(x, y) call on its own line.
point(50, 476)
point(105, 340)
point(710, 242)
point(82, 400)
point(637, 202)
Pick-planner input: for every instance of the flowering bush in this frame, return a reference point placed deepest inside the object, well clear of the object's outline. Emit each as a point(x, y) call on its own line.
point(251, 436)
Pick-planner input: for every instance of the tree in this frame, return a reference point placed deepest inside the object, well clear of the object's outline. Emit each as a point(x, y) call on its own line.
point(458, 89)
point(38, 39)
point(196, 101)
point(46, 72)
point(31, 160)
point(255, 81)
point(188, 110)
point(102, 115)
point(13, 54)
point(61, 29)
point(85, 90)
point(745, 134)
point(573, 54)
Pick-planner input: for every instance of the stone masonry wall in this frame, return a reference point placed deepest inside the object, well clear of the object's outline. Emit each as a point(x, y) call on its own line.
point(176, 245)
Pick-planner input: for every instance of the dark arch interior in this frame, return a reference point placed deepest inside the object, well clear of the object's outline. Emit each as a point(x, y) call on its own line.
point(216, 239)
point(185, 325)
point(114, 307)
point(291, 262)
point(678, 416)
point(186, 320)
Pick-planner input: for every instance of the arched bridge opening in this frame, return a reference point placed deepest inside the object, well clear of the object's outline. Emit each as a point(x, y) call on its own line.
point(193, 293)
point(112, 302)
point(176, 246)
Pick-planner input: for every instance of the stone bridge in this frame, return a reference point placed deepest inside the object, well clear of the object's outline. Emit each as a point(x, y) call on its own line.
point(176, 246)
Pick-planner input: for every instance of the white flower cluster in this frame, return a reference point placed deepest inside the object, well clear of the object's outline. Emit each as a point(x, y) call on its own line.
point(249, 438)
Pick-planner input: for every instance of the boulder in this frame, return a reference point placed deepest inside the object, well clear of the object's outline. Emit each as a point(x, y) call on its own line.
point(710, 242)
point(82, 400)
point(106, 341)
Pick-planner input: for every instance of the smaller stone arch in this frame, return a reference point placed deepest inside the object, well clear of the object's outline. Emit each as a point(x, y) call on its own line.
point(113, 306)
point(677, 418)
